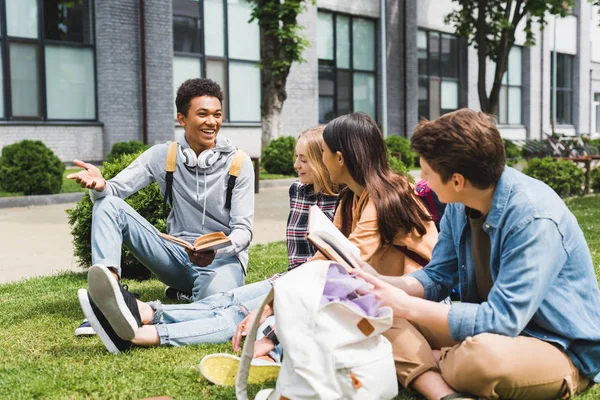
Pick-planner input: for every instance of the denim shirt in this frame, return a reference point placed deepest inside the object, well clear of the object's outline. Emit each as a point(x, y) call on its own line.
point(544, 281)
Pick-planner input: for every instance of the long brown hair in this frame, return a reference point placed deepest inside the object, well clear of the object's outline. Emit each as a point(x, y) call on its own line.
point(361, 143)
point(314, 145)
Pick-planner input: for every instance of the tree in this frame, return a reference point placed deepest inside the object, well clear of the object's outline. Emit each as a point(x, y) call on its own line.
point(490, 26)
point(281, 44)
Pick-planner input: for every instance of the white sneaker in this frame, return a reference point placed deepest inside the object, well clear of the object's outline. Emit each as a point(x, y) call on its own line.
point(85, 329)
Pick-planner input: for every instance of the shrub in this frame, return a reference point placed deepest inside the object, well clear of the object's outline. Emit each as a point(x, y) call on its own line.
point(398, 166)
point(29, 167)
point(278, 157)
point(120, 148)
point(595, 179)
point(398, 144)
point(561, 175)
point(148, 202)
point(513, 152)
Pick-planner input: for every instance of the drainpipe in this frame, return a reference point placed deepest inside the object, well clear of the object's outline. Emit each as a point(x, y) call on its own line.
point(553, 94)
point(384, 110)
point(143, 71)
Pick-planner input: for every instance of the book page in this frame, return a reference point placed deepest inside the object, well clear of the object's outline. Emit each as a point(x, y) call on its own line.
point(322, 230)
point(177, 240)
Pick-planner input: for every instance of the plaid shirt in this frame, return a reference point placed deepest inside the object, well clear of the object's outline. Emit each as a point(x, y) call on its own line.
point(301, 198)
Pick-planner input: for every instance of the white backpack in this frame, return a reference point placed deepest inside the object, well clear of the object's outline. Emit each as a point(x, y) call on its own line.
point(330, 351)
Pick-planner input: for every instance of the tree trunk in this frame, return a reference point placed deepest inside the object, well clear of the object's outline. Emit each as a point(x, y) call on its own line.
point(273, 89)
point(482, 50)
point(271, 118)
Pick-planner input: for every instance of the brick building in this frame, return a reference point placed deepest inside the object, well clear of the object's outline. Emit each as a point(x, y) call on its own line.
point(83, 77)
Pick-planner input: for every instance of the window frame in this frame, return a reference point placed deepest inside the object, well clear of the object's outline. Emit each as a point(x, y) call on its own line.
point(570, 89)
point(225, 59)
point(507, 86)
point(441, 78)
point(596, 105)
point(331, 65)
point(41, 43)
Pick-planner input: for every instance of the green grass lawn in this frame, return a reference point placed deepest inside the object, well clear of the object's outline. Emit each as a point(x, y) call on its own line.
point(40, 357)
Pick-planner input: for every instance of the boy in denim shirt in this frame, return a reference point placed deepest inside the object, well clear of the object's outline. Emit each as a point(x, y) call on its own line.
point(528, 324)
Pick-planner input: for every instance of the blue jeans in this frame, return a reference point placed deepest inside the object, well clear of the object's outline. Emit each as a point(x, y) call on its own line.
point(115, 223)
point(213, 319)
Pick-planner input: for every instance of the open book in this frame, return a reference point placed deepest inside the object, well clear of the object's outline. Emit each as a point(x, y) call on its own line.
point(208, 242)
point(323, 234)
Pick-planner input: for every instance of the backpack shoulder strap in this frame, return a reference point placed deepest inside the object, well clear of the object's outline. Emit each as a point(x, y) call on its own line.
point(241, 383)
point(234, 171)
point(170, 167)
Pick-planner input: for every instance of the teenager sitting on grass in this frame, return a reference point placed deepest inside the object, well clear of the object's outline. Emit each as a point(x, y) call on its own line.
point(122, 322)
point(528, 325)
point(378, 210)
point(204, 158)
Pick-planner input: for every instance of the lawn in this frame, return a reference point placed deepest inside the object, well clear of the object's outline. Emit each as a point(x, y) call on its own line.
point(40, 357)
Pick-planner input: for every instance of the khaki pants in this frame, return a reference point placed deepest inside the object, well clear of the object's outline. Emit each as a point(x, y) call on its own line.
point(486, 365)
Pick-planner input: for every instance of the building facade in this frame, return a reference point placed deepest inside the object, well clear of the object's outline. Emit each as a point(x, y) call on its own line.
point(81, 76)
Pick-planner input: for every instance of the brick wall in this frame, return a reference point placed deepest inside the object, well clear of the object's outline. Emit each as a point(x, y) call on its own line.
point(118, 66)
point(67, 142)
point(301, 109)
point(159, 70)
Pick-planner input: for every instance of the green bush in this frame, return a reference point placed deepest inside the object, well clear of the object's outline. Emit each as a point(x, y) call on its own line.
point(595, 179)
point(513, 152)
point(278, 157)
point(148, 202)
point(561, 175)
point(29, 167)
point(398, 144)
point(398, 166)
point(120, 148)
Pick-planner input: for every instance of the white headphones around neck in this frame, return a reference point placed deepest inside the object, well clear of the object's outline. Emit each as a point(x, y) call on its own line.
point(204, 160)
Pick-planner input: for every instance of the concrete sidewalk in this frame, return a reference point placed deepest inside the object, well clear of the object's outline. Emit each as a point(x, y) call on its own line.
point(36, 240)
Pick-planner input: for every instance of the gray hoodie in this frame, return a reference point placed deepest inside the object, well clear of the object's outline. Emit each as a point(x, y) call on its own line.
point(191, 187)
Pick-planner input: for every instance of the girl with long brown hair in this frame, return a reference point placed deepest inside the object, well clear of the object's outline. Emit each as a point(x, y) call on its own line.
point(378, 210)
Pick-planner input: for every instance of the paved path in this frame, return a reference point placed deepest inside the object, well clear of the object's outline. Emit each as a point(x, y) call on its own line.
point(36, 240)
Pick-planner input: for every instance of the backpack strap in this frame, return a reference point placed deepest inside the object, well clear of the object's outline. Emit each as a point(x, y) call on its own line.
point(416, 257)
point(170, 167)
point(241, 383)
point(234, 171)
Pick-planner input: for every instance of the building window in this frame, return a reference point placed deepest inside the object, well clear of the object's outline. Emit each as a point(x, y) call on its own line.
point(511, 91)
point(438, 73)
point(47, 62)
point(224, 47)
point(564, 88)
point(347, 65)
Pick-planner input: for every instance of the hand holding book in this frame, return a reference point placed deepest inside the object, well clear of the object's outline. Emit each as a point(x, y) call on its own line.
point(324, 235)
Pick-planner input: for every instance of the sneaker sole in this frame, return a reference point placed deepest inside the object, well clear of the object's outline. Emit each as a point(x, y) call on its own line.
point(106, 293)
point(86, 307)
point(221, 369)
point(84, 332)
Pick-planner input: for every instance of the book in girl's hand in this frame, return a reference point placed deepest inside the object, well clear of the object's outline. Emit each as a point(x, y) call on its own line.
point(323, 234)
point(209, 242)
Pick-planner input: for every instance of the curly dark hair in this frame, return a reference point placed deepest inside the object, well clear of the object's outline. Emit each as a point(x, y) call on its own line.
point(194, 88)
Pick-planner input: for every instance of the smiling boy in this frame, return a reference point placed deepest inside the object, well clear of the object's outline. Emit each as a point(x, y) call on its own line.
point(198, 203)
